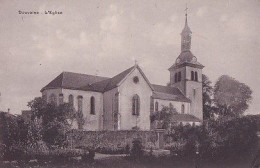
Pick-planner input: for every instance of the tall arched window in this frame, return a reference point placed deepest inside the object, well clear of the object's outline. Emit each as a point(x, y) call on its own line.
point(151, 104)
point(61, 98)
point(80, 102)
point(92, 105)
point(53, 98)
point(179, 76)
point(192, 75)
point(136, 105)
point(196, 76)
point(182, 109)
point(176, 78)
point(71, 100)
point(156, 106)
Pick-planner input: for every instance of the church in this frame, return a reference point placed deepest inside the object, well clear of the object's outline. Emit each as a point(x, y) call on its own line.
point(127, 100)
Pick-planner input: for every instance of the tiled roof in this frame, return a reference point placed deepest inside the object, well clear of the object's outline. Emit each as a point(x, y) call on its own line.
point(107, 84)
point(70, 80)
point(185, 118)
point(168, 93)
point(186, 57)
point(118, 78)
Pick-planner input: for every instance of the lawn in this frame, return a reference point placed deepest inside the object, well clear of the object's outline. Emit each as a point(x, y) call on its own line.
point(122, 162)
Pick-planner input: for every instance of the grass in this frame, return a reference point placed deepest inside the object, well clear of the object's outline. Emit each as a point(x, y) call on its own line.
point(123, 162)
point(120, 161)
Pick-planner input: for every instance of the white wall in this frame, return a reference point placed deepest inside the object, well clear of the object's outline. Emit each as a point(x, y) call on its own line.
point(92, 122)
point(176, 104)
point(49, 92)
point(196, 100)
point(109, 98)
point(126, 92)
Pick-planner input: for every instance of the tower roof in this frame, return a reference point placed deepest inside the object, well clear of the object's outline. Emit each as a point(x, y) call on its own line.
point(186, 57)
point(186, 28)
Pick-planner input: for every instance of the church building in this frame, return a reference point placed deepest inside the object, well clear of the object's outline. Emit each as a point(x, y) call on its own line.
point(128, 99)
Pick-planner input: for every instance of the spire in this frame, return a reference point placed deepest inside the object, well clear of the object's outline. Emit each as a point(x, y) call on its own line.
point(186, 34)
point(186, 15)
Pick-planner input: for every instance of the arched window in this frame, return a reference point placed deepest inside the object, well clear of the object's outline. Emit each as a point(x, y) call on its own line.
point(182, 109)
point(136, 105)
point(151, 104)
point(80, 100)
point(196, 76)
point(156, 106)
point(192, 75)
point(179, 76)
point(194, 92)
point(71, 100)
point(176, 77)
point(61, 98)
point(53, 98)
point(92, 105)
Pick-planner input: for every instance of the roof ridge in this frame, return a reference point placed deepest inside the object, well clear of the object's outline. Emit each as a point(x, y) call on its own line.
point(84, 74)
point(105, 88)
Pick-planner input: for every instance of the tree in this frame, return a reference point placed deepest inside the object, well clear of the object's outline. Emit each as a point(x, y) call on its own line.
point(56, 121)
point(231, 97)
point(207, 94)
point(165, 116)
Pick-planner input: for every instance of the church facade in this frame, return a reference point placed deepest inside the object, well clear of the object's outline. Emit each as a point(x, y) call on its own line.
point(128, 99)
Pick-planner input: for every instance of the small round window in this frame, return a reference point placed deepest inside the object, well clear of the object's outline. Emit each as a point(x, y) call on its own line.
point(136, 79)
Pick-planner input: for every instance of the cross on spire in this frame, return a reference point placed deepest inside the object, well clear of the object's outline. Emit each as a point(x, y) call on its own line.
point(136, 62)
point(186, 11)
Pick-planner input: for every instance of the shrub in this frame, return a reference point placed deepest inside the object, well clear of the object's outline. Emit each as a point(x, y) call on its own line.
point(221, 139)
point(110, 142)
point(137, 150)
point(127, 149)
point(88, 157)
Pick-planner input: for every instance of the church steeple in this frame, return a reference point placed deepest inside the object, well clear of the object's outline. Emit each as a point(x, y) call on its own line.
point(186, 73)
point(186, 35)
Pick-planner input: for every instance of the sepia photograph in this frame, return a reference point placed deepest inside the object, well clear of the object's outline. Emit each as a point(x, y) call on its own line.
point(130, 84)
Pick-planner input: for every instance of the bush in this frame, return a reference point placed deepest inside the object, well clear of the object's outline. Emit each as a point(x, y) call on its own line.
point(88, 157)
point(127, 149)
point(110, 142)
point(137, 150)
point(221, 139)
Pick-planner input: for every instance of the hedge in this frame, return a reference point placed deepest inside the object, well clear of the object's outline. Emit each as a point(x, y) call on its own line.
point(111, 142)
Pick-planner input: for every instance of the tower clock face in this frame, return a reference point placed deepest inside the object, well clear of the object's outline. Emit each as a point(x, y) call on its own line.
point(194, 59)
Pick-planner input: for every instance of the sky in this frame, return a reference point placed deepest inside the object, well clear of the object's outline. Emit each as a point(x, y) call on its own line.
point(106, 37)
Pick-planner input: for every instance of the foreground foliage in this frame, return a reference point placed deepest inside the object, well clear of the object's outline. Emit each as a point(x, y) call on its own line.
point(214, 140)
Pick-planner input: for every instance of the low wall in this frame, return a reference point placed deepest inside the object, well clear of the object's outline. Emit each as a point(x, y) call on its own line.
point(112, 140)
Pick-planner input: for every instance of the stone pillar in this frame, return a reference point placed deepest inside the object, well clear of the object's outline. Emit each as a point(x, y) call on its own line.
point(160, 138)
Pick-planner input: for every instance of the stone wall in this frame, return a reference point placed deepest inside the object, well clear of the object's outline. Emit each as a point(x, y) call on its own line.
point(114, 140)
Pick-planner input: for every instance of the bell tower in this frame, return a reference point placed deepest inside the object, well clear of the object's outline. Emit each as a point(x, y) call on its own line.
point(186, 73)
